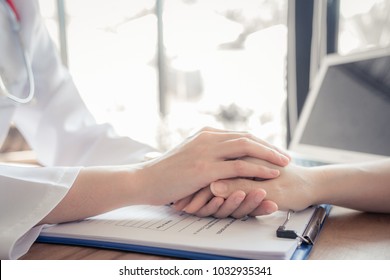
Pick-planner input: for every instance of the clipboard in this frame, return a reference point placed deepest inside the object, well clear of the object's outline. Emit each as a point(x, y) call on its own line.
point(236, 242)
point(309, 236)
point(312, 230)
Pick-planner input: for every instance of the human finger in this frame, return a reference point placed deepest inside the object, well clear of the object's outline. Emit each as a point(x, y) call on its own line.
point(241, 142)
point(265, 208)
point(181, 203)
point(224, 188)
point(230, 205)
point(241, 168)
point(244, 147)
point(211, 207)
point(269, 145)
point(243, 134)
point(252, 201)
point(199, 200)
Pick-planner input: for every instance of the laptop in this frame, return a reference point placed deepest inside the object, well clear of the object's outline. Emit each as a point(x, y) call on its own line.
point(346, 116)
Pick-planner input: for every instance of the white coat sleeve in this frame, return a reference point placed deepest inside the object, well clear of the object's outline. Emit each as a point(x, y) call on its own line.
point(57, 124)
point(28, 194)
point(62, 132)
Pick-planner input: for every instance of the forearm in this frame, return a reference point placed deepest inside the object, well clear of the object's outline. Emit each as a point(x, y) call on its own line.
point(364, 186)
point(97, 190)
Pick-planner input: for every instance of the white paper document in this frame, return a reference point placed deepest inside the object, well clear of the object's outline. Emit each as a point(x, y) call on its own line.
point(163, 227)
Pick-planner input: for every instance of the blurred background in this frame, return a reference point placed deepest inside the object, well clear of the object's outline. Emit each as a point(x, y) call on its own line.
point(160, 70)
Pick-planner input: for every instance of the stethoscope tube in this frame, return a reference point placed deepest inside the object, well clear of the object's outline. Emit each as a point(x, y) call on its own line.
point(30, 77)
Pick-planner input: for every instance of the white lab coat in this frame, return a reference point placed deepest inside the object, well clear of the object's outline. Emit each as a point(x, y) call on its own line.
point(58, 127)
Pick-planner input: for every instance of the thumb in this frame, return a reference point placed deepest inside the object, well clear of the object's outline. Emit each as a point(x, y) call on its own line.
point(219, 188)
point(224, 188)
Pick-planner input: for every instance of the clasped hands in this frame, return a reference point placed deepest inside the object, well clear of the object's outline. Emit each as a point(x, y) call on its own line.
point(235, 197)
point(214, 172)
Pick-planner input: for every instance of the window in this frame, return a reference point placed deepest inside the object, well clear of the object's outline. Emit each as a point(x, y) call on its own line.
point(224, 65)
point(363, 24)
point(111, 49)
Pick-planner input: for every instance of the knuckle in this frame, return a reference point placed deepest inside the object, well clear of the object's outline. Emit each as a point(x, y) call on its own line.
point(204, 135)
point(206, 128)
point(243, 141)
point(271, 154)
point(248, 136)
point(244, 144)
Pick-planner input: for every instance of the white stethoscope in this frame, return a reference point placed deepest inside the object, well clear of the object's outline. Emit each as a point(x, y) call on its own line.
point(15, 25)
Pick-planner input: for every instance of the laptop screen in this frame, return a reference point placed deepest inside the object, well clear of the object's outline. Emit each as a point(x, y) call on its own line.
point(352, 108)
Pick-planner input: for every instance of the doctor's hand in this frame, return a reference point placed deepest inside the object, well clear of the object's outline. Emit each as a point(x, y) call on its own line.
point(208, 156)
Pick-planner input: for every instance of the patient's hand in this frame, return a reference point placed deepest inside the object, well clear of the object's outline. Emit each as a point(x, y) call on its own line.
point(237, 204)
point(292, 189)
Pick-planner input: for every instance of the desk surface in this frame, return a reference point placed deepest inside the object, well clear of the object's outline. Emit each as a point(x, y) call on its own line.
point(347, 234)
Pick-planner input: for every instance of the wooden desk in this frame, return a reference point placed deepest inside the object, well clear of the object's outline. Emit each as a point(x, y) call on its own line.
point(347, 234)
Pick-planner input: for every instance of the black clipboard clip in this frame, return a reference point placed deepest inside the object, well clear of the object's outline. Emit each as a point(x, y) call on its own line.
point(313, 228)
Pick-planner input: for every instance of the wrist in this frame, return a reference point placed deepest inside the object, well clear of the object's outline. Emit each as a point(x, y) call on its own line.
point(141, 185)
point(319, 192)
point(132, 185)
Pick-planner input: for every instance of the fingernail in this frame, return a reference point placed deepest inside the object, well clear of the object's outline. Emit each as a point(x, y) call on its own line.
point(239, 198)
point(272, 210)
point(274, 172)
point(218, 188)
point(284, 159)
point(259, 198)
